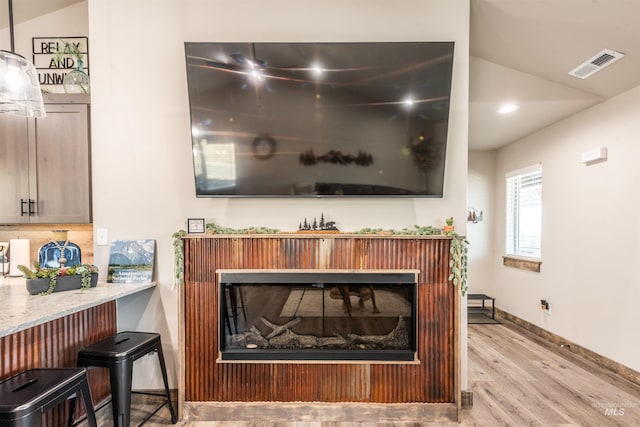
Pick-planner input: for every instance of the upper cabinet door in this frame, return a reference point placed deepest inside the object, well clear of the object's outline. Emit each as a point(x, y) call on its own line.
point(14, 169)
point(61, 183)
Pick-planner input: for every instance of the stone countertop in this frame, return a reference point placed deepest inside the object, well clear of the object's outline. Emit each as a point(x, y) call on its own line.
point(20, 310)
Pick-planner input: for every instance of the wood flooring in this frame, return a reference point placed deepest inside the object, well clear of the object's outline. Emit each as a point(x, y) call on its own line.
point(517, 379)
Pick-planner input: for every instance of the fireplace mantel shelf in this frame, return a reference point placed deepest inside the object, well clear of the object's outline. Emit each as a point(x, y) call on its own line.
point(294, 235)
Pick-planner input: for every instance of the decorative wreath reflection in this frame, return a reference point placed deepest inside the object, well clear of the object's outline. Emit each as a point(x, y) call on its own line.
point(426, 154)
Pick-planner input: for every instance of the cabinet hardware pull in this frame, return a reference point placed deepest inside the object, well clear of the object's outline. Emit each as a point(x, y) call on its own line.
point(32, 211)
point(22, 203)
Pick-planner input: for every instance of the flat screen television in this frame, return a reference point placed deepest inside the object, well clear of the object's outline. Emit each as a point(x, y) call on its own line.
point(319, 119)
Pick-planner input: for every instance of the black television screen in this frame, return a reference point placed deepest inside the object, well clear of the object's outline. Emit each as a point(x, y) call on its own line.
point(319, 119)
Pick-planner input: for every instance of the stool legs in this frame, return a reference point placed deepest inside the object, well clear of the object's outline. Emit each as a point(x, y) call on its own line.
point(163, 368)
point(88, 405)
point(121, 378)
point(118, 354)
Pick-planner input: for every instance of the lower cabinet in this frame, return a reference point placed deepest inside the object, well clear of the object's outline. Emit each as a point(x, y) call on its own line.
point(45, 165)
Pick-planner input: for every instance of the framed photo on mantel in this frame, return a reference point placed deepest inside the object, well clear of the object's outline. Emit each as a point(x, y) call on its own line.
point(196, 226)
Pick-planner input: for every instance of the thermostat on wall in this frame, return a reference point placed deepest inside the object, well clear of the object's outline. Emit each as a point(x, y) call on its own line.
point(593, 156)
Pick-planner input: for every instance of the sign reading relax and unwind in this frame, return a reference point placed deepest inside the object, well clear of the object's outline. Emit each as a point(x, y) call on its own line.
point(53, 67)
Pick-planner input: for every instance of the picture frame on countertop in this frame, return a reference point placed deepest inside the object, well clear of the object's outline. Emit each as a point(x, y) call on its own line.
point(131, 261)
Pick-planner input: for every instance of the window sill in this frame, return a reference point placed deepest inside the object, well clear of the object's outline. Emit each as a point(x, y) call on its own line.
point(528, 264)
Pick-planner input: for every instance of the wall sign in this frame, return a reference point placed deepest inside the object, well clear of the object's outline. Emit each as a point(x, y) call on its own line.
point(51, 70)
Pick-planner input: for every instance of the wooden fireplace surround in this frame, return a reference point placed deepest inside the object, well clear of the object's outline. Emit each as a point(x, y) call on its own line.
point(435, 380)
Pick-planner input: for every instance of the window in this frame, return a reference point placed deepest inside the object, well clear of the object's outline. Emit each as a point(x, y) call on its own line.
point(524, 212)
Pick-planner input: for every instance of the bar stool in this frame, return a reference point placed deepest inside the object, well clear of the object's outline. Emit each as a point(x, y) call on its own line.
point(117, 353)
point(25, 397)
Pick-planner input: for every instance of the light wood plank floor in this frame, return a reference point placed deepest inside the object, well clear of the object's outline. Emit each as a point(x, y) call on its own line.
point(517, 379)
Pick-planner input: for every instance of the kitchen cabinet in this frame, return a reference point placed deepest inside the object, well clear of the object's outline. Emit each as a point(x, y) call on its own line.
point(45, 164)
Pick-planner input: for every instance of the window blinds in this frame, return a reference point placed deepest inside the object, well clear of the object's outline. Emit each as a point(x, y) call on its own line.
point(524, 212)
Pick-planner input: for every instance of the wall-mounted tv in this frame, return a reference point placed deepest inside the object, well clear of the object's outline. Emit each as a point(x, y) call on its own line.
point(319, 119)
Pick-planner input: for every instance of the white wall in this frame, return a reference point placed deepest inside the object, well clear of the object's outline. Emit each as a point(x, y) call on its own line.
point(68, 22)
point(481, 181)
point(590, 232)
point(142, 167)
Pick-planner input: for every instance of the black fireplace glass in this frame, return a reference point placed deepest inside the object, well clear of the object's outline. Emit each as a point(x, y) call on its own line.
point(318, 316)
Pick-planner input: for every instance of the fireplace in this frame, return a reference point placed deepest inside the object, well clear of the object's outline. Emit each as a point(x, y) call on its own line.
point(300, 315)
point(426, 365)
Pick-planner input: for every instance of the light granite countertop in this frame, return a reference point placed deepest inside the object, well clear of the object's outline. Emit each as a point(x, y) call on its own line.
point(19, 310)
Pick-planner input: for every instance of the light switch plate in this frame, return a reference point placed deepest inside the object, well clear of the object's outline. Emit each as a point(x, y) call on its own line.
point(102, 237)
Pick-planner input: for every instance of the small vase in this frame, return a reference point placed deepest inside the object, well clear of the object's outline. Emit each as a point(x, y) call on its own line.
point(50, 253)
point(77, 81)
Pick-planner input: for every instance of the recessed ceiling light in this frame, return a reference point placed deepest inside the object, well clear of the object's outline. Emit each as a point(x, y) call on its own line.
point(508, 108)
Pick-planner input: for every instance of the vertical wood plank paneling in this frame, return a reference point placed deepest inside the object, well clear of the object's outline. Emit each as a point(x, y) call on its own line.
point(432, 380)
point(56, 344)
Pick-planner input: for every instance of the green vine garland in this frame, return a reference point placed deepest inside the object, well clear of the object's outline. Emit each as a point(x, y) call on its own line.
point(85, 280)
point(178, 256)
point(426, 230)
point(53, 277)
point(458, 262)
point(217, 229)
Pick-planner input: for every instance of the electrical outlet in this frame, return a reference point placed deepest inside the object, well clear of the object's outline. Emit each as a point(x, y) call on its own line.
point(544, 305)
point(102, 237)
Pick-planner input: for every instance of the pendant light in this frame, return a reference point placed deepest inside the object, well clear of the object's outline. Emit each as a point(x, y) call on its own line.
point(19, 87)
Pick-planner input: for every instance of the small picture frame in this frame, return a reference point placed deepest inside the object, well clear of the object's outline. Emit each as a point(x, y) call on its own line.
point(196, 226)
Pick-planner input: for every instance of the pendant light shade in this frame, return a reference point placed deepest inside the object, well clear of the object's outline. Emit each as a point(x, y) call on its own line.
point(19, 87)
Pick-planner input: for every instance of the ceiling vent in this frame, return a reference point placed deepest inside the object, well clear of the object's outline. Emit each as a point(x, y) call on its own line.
point(596, 63)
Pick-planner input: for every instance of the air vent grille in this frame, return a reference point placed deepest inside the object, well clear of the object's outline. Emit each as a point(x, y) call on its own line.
point(596, 63)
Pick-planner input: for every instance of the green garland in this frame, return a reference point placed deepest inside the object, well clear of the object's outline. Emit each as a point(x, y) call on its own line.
point(85, 279)
point(178, 256)
point(458, 262)
point(217, 229)
point(52, 283)
point(418, 230)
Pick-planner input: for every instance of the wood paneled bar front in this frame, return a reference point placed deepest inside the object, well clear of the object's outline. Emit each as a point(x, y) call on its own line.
point(432, 378)
point(48, 331)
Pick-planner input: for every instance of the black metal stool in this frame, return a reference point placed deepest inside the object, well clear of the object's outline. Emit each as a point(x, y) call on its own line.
point(26, 396)
point(117, 353)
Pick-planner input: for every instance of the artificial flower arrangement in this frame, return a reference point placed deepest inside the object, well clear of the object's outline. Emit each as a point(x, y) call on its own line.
point(88, 275)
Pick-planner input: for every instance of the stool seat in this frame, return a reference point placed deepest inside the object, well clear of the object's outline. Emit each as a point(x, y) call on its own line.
point(117, 353)
point(26, 396)
point(120, 346)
